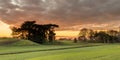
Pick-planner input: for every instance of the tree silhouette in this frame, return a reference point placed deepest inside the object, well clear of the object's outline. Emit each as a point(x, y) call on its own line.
point(102, 37)
point(50, 31)
point(89, 35)
point(86, 34)
point(113, 35)
point(35, 32)
point(83, 34)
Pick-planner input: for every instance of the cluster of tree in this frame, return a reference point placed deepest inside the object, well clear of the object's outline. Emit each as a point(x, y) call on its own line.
point(110, 36)
point(35, 32)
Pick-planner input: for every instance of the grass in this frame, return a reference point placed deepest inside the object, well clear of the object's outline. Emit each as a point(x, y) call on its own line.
point(16, 42)
point(104, 52)
point(107, 52)
point(66, 50)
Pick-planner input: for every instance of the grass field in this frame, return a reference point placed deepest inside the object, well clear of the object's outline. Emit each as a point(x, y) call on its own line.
point(26, 50)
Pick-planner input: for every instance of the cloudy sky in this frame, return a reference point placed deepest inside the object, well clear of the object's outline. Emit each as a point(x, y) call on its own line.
point(69, 14)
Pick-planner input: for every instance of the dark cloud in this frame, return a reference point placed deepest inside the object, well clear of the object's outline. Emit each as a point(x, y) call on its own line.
point(63, 12)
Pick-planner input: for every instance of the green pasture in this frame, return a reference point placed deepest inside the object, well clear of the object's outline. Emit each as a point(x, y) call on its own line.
point(65, 50)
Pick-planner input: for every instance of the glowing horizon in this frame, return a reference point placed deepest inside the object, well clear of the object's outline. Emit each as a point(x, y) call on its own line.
point(5, 30)
point(67, 33)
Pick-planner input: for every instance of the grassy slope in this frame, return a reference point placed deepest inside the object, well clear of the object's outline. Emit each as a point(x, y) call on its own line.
point(107, 52)
point(16, 42)
point(103, 52)
point(23, 46)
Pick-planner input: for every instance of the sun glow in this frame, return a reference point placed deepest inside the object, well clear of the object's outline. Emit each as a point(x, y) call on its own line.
point(5, 30)
point(67, 33)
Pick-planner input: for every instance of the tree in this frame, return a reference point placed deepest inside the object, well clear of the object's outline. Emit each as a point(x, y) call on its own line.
point(28, 27)
point(86, 34)
point(102, 37)
point(83, 34)
point(75, 40)
point(15, 33)
point(91, 34)
point(51, 31)
point(35, 32)
point(113, 35)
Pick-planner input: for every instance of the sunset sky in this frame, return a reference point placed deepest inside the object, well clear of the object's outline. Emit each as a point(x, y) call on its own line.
point(71, 15)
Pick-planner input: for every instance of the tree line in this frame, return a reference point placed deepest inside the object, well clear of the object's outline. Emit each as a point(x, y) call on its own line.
point(35, 32)
point(89, 35)
point(41, 33)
